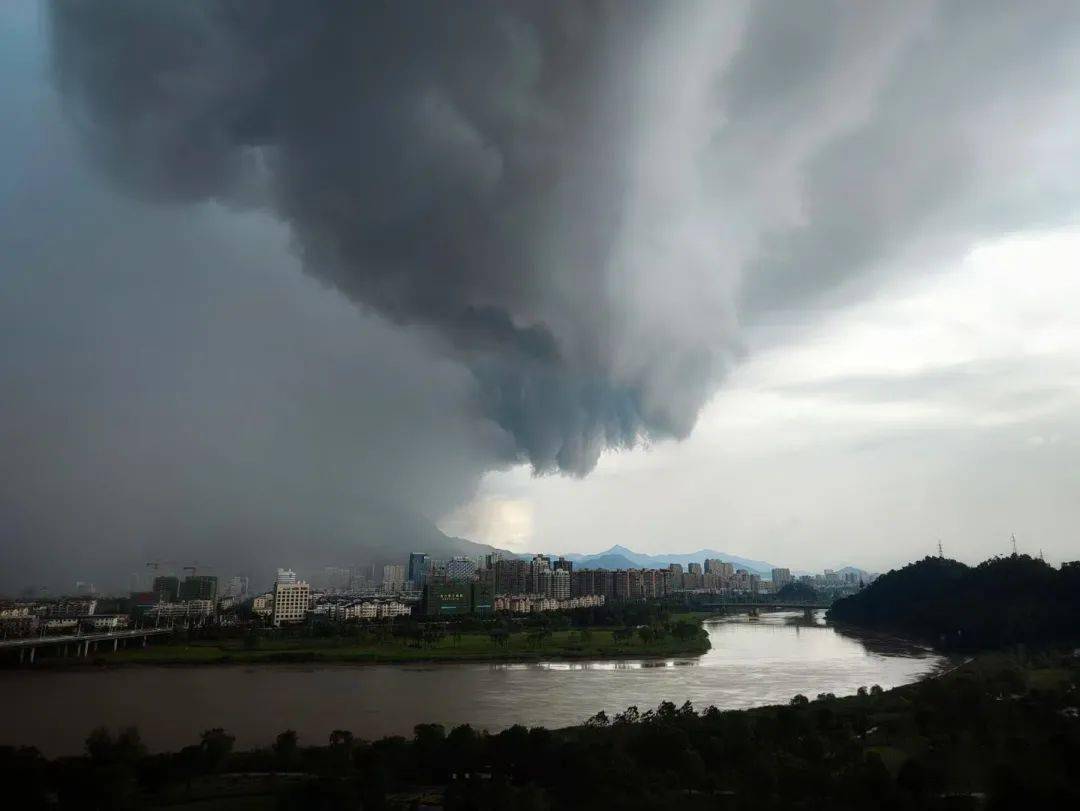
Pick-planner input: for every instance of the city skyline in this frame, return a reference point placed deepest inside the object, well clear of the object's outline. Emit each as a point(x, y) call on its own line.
point(543, 404)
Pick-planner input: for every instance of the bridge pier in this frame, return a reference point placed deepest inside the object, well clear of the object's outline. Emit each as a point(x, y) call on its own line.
point(22, 655)
point(115, 644)
point(808, 614)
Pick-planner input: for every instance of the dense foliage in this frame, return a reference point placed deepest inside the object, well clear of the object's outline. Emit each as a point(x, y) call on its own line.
point(1002, 601)
point(798, 593)
point(992, 729)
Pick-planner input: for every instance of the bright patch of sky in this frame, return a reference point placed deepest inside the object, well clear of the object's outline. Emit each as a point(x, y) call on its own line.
point(931, 410)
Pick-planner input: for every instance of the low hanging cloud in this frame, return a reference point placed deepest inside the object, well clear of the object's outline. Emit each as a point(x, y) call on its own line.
point(560, 225)
point(580, 200)
point(463, 171)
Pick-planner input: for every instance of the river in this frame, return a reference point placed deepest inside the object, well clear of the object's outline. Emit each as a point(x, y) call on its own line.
point(752, 662)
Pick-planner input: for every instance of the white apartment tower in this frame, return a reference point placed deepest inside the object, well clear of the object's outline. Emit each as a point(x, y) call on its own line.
point(291, 598)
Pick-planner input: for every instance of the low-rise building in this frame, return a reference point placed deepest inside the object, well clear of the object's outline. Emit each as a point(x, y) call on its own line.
point(450, 598)
point(368, 610)
point(115, 622)
point(263, 605)
point(532, 603)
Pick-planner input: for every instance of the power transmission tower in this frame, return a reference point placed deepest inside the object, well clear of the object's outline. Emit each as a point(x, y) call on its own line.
point(940, 552)
point(1013, 536)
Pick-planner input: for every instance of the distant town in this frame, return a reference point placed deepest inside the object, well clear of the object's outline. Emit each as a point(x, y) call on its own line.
point(420, 587)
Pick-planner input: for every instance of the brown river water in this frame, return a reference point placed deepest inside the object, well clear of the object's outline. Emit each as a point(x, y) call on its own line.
point(752, 662)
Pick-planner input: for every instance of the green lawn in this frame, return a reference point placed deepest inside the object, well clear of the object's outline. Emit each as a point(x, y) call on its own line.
point(468, 647)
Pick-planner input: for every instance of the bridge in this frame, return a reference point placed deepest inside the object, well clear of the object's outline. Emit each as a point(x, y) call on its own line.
point(754, 608)
point(82, 644)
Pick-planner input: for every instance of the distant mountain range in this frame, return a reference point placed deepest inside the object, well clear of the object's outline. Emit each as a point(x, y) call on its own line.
point(619, 557)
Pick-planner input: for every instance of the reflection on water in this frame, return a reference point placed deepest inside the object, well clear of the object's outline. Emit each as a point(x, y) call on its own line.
point(763, 661)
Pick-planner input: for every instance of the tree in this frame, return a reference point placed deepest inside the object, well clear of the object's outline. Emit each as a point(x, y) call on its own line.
point(126, 748)
point(598, 720)
point(341, 737)
point(286, 748)
point(215, 745)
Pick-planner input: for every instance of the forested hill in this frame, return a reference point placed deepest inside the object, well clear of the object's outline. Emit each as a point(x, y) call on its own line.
point(1002, 601)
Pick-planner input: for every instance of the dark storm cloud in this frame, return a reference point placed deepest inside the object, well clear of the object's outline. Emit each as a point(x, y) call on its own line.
point(523, 180)
point(576, 210)
point(423, 156)
point(174, 388)
point(963, 135)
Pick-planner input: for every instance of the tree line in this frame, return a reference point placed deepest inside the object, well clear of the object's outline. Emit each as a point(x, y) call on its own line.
point(1003, 601)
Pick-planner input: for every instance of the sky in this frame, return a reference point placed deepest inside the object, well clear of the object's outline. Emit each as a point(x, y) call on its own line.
point(793, 282)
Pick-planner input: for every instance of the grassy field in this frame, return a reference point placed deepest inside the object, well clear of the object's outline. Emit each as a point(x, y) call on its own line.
point(598, 643)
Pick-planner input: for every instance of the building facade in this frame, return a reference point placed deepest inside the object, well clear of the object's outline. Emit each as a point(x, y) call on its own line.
point(418, 568)
point(393, 577)
point(292, 598)
point(167, 588)
point(199, 587)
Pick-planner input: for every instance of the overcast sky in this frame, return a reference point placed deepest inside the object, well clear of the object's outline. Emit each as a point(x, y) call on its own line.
point(794, 281)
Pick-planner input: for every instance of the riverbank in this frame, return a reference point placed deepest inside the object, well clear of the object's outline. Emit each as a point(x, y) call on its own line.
point(1000, 731)
point(592, 644)
point(765, 661)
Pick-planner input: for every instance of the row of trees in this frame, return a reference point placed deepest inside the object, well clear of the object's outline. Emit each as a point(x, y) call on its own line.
point(421, 630)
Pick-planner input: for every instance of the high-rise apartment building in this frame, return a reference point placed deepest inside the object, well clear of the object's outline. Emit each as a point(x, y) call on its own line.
point(237, 587)
point(167, 588)
point(540, 575)
point(511, 576)
point(781, 577)
point(460, 568)
point(393, 577)
point(418, 569)
point(285, 576)
point(292, 598)
point(199, 587)
point(560, 584)
point(335, 579)
point(694, 568)
point(362, 577)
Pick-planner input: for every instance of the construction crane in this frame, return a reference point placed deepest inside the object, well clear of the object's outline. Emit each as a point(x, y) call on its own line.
point(195, 566)
point(156, 564)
